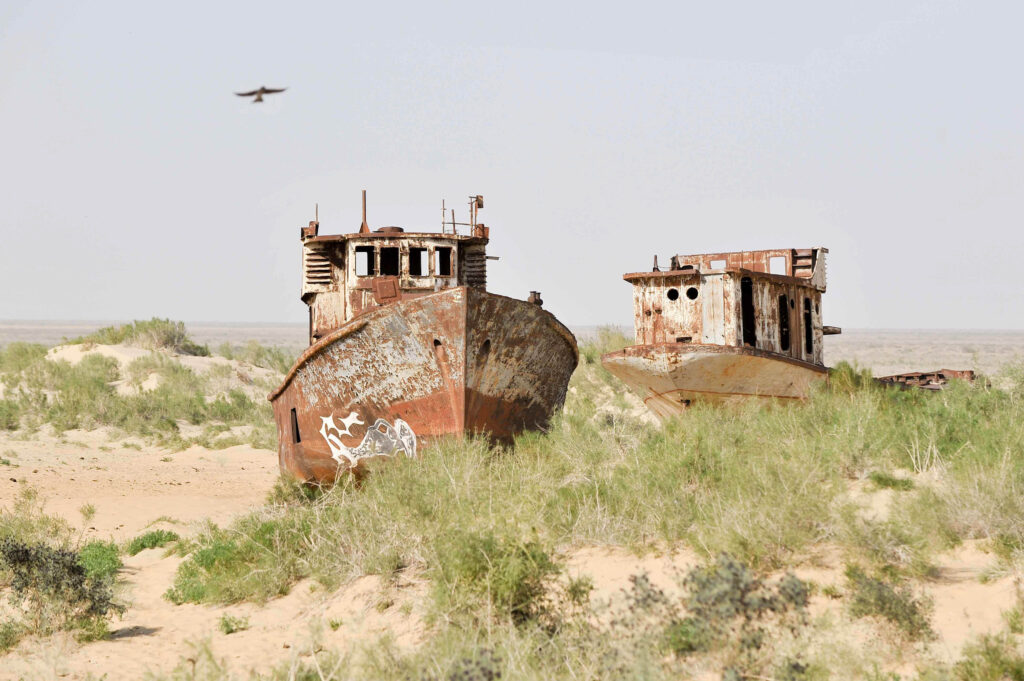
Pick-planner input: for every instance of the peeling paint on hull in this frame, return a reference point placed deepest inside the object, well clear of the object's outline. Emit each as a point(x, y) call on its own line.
point(448, 363)
point(671, 376)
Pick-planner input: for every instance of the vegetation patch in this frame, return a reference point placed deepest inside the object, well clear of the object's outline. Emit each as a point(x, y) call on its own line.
point(155, 334)
point(40, 391)
point(151, 540)
point(229, 624)
point(884, 480)
point(509, 574)
point(886, 599)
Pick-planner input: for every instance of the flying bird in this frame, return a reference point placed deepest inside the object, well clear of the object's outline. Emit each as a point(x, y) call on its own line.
point(263, 90)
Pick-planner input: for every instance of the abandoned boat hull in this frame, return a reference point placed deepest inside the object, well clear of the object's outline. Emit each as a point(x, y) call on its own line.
point(389, 381)
point(672, 376)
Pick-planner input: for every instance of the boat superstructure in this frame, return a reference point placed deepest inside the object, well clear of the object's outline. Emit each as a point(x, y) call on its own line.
point(726, 326)
point(407, 345)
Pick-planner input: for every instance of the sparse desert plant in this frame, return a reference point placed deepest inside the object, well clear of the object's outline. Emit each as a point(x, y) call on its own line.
point(10, 413)
point(730, 608)
point(606, 339)
point(992, 657)
point(150, 540)
point(510, 574)
point(229, 624)
point(59, 590)
point(100, 559)
point(154, 334)
point(885, 598)
point(884, 480)
point(278, 358)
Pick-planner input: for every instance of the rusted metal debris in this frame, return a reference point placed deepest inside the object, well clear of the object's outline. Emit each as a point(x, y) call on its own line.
point(726, 326)
point(407, 345)
point(928, 380)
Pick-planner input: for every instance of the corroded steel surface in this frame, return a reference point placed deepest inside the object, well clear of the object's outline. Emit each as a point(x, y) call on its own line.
point(671, 376)
point(392, 379)
point(720, 326)
point(928, 380)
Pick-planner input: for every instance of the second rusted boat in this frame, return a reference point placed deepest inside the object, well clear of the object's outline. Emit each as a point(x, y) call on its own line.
point(726, 326)
point(407, 345)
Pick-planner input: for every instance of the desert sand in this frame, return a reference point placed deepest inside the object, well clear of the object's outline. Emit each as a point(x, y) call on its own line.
point(134, 486)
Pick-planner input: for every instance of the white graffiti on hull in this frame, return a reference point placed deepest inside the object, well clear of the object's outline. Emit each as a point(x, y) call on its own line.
point(381, 439)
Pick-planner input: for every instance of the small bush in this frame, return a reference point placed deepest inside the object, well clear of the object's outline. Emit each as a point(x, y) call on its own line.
point(150, 540)
point(230, 624)
point(56, 589)
point(728, 605)
point(10, 633)
point(888, 481)
point(16, 357)
point(100, 560)
point(991, 658)
point(879, 597)
point(509, 573)
point(9, 415)
point(607, 339)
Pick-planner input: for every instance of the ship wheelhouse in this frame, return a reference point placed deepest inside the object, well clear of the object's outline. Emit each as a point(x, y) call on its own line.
point(767, 300)
point(346, 275)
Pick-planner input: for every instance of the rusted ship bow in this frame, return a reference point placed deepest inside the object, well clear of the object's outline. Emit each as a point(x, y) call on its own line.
point(406, 345)
point(722, 327)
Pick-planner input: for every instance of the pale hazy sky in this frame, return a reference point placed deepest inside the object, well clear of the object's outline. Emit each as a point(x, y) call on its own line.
point(133, 183)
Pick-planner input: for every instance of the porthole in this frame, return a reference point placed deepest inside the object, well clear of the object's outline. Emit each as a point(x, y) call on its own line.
point(673, 294)
point(692, 292)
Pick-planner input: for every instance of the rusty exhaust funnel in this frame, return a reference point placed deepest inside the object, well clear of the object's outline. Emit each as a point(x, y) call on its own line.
point(364, 228)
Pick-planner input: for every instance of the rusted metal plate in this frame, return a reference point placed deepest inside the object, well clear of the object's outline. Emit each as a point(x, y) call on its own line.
point(928, 380)
point(671, 376)
point(399, 376)
point(385, 290)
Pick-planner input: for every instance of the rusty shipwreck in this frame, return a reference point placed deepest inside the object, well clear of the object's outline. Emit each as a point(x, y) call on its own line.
point(406, 345)
point(726, 326)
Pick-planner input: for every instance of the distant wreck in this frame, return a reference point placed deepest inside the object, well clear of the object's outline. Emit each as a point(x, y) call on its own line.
point(722, 327)
point(407, 345)
point(928, 380)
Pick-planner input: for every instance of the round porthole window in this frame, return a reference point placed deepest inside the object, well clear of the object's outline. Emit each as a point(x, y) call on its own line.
point(692, 292)
point(673, 294)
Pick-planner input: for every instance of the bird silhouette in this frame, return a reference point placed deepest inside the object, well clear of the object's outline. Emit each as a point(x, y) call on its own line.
point(263, 90)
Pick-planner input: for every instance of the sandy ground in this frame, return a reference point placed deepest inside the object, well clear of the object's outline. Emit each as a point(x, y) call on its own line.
point(133, 486)
point(132, 489)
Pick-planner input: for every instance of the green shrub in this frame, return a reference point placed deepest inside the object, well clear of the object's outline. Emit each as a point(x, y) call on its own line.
point(607, 339)
point(510, 574)
point(55, 588)
point(16, 357)
point(10, 413)
point(230, 624)
point(888, 481)
point(991, 658)
point(10, 633)
point(729, 605)
point(150, 540)
point(100, 560)
point(880, 597)
point(259, 559)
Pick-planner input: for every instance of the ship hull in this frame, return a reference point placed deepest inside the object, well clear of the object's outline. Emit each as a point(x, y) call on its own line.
point(392, 380)
point(672, 376)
